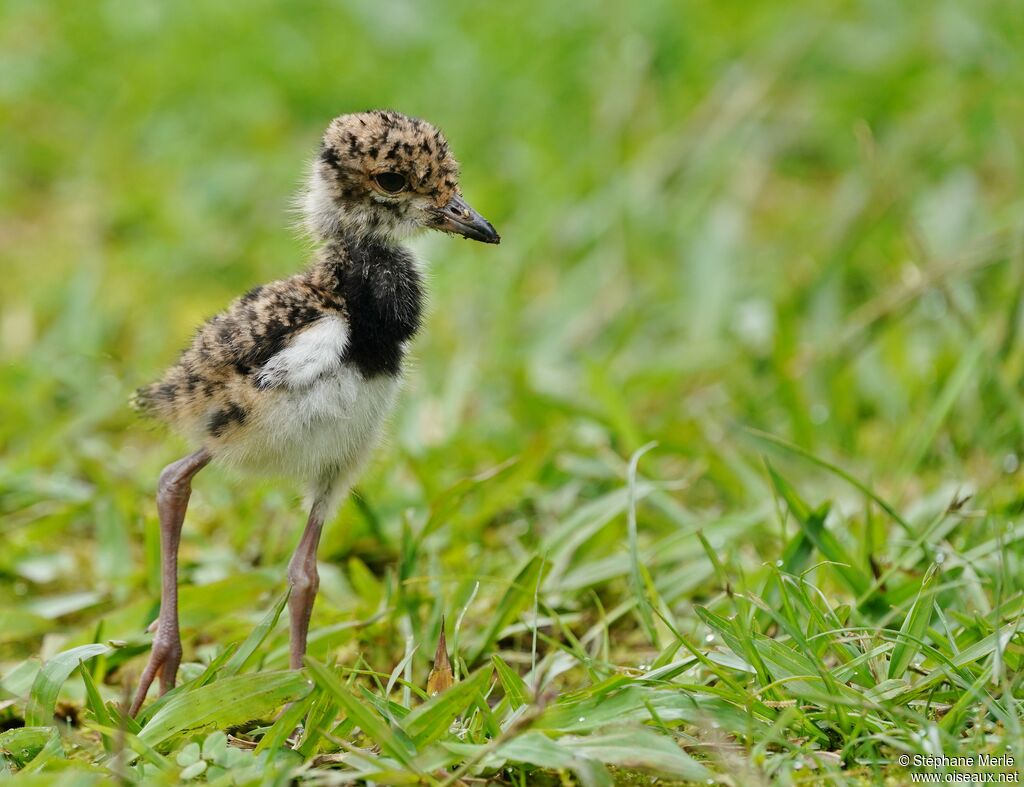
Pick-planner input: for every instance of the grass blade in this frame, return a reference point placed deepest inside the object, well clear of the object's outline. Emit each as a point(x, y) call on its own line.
point(516, 598)
point(812, 523)
point(433, 718)
point(46, 687)
point(367, 720)
point(514, 686)
point(837, 471)
point(251, 643)
point(636, 579)
point(914, 628)
point(277, 735)
point(95, 703)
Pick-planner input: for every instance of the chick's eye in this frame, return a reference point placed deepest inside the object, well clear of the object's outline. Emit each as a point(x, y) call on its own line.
point(391, 182)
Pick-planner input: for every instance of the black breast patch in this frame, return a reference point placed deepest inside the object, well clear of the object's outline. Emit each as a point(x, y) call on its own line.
point(383, 293)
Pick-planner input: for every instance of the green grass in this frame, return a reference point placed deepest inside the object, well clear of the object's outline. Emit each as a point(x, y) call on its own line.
point(783, 241)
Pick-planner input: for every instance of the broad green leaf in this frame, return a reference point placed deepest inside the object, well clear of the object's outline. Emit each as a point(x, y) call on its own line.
point(225, 703)
point(207, 676)
point(24, 743)
point(537, 749)
point(46, 687)
point(599, 708)
point(638, 748)
point(52, 749)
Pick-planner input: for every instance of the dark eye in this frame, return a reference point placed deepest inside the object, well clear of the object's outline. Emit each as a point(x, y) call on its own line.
point(391, 182)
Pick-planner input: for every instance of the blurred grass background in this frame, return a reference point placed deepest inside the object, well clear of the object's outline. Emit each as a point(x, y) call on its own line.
point(804, 218)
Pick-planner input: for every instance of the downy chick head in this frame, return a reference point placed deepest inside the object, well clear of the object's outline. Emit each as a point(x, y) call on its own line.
point(384, 175)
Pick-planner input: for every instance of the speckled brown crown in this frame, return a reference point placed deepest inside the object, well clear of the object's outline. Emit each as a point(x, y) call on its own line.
point(359, 146)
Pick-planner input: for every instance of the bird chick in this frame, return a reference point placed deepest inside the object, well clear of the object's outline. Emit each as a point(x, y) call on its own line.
point(296, 377)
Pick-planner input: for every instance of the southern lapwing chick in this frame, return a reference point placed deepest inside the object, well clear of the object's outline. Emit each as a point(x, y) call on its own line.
point(296, 377)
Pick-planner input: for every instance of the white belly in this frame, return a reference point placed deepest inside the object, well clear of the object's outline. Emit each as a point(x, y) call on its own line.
point(328, 427)
point(320, 417)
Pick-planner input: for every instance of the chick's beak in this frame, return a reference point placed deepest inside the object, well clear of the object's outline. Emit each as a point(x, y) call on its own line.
point(458, 218)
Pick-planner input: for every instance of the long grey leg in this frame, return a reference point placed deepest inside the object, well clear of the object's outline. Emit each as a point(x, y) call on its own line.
point(172, 497)
point(303, 575)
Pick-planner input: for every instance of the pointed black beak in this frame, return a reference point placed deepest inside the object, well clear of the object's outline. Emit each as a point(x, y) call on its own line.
point(458, 218)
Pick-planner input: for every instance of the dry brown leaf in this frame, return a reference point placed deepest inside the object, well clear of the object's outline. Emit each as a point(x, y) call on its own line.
point(441, 677)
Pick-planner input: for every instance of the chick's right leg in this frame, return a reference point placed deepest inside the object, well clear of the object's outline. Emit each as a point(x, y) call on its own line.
point(172, 497)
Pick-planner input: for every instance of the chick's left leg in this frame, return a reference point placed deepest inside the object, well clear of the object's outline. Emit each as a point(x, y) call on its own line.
point(303, 575)
point(173, 493)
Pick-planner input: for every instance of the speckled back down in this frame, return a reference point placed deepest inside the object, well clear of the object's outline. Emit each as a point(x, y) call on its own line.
point(220, 387)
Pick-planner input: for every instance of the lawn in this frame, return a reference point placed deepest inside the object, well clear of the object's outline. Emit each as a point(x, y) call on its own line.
point(710, 472)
